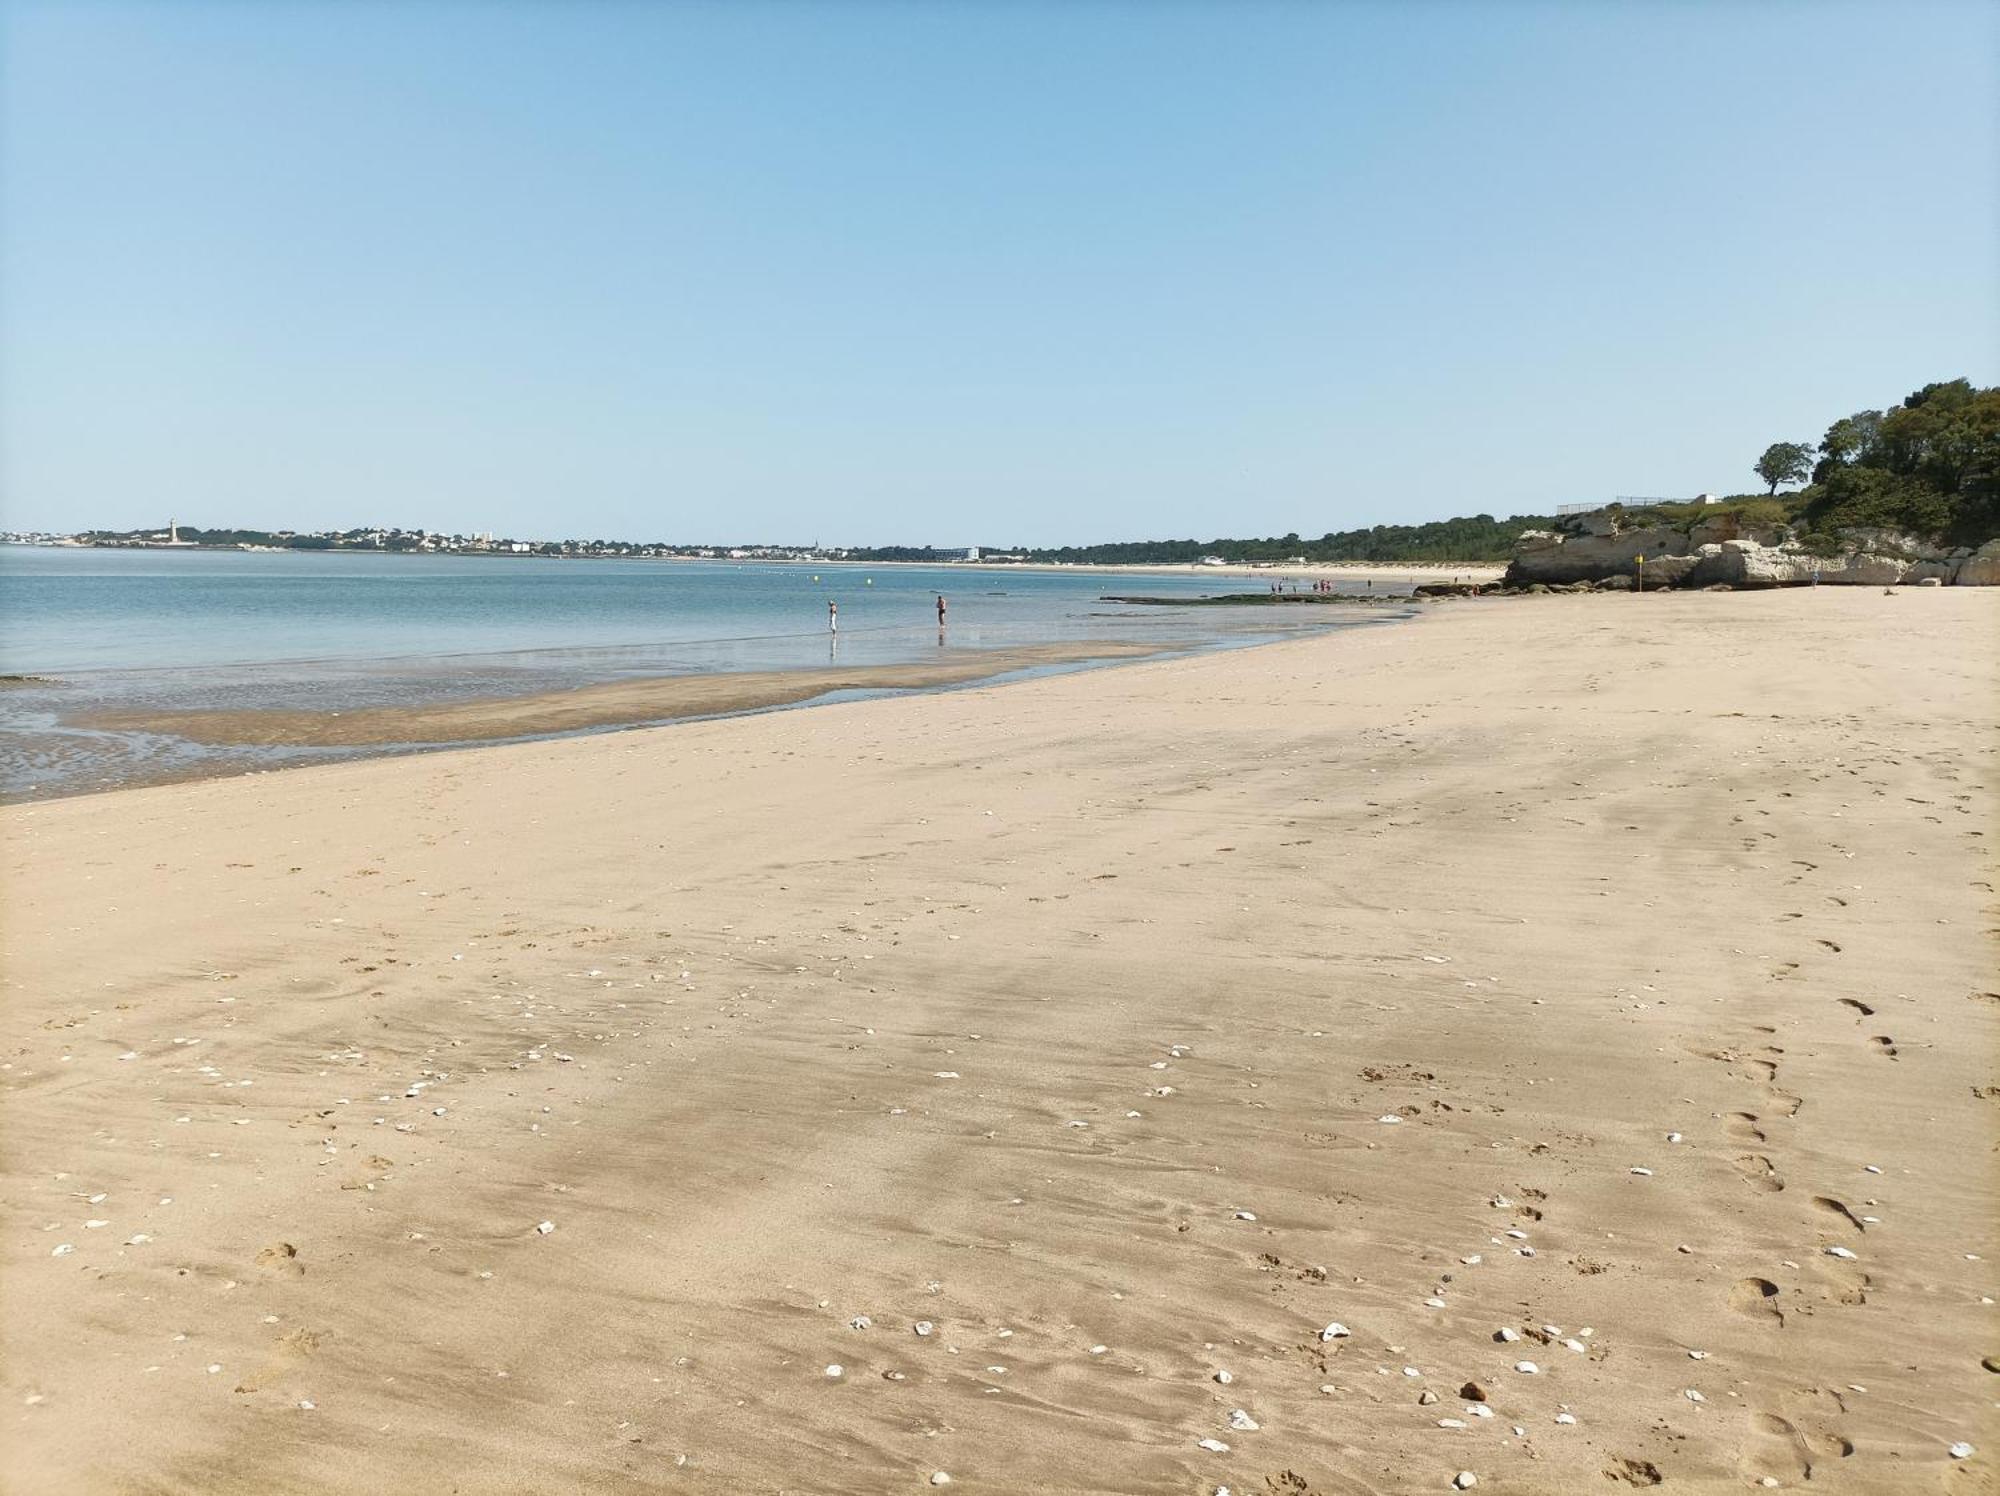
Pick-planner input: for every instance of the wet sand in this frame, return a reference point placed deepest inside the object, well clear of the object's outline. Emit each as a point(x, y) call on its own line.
point(1613, 974)
point(607, 704)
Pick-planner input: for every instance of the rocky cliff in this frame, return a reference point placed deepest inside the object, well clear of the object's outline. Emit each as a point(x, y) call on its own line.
point(1601, 547)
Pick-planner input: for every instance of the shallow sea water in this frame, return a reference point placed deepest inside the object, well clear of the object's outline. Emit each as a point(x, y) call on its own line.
point(177, 630)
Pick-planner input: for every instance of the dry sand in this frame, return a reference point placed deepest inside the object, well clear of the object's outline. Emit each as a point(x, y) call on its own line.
point(1061, 1019)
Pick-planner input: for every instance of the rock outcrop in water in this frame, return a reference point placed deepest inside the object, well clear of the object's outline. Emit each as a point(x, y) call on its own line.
point(1601, 548)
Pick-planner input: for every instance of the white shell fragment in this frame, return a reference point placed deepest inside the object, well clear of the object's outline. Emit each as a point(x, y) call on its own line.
point(1244, 1215)
point(1527, 1368)
point(1242, 1422)
point(835, 1371)
point(1643, 1173)
point(1213, 1446)
point(923, 1327)
point(1335, 1331)
point(1224, 1378)
point(1841, 1252)
point(1961, 1451)
point(1465, 1480)
point(1565, 1418)
point(546, 1227)
point(1507, 1334)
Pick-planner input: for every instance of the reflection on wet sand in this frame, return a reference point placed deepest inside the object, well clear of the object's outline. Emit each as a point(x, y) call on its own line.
point(605, 704)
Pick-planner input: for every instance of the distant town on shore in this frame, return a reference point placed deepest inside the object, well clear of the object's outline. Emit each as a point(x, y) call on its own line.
point(1479, 537)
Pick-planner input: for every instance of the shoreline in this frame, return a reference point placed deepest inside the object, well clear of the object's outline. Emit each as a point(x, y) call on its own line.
point(226, 742)
point(962, 1081)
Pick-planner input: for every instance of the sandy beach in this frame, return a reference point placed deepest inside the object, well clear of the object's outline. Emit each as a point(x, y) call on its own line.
point(1550, 1039)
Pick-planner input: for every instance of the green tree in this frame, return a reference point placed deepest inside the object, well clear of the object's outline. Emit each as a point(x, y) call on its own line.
point(1852, 438)
point(1785, 462)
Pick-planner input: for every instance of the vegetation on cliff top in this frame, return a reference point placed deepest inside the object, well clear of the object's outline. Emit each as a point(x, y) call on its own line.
point(1929, 466)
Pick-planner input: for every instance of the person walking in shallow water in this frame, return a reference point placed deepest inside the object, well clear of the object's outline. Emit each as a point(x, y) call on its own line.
point(941, 608)
point(832, 616)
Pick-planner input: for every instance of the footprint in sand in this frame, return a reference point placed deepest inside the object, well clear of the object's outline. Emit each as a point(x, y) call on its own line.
point(368, 1174)
point(283, 1258)
point(1633, 1472)
point(1777, 1448)
point(1883, 1044)
point(1837, 1207)
point(1759, 1173)
point(1858, 1005)
point(292, 1347)
point(1743, 1127)
point(1757, 1298)
point(1846, 1284)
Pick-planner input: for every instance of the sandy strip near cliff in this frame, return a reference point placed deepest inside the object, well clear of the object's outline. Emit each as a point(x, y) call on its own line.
point(1611, 972)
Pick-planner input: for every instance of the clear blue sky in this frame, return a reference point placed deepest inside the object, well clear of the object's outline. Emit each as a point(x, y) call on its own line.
point(961, 271)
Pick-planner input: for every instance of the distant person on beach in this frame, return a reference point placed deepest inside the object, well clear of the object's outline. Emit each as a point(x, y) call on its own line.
point(941, 610)
point(832, 616)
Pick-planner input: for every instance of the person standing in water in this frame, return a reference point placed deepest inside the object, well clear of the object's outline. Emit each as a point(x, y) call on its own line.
point(832, 616)
point(940, 610)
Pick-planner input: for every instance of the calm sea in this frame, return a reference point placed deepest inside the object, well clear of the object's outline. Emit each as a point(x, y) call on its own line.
point(176, 629)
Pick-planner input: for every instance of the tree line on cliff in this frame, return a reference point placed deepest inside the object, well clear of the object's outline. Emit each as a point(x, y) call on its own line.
point(1929, 467)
